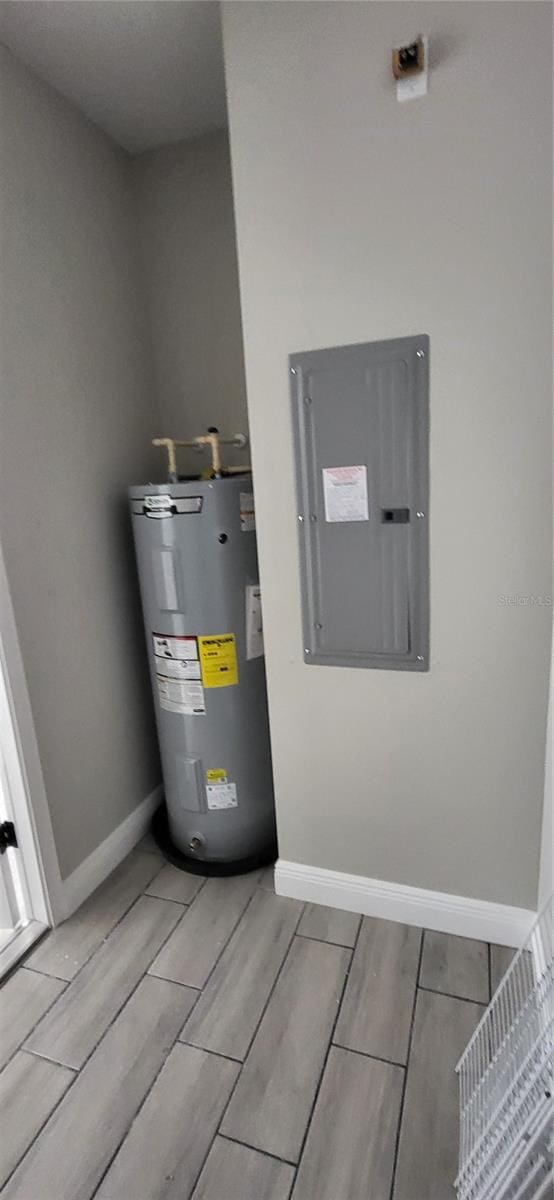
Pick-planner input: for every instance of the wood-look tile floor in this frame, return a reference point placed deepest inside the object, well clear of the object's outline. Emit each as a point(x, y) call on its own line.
point(195, 1038)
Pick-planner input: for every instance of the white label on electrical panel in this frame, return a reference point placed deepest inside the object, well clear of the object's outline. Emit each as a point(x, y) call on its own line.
point(254, 629)
point(345, 493)
point(247, 512)
point(178, 668)
point(221, 795)
point(170, 646)
point(181, 695)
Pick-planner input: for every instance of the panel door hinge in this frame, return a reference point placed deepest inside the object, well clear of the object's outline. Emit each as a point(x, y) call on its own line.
point(8, 836)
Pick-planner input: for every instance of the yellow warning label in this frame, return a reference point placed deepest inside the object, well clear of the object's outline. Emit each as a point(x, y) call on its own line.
point(218, 660)
point(216, 775)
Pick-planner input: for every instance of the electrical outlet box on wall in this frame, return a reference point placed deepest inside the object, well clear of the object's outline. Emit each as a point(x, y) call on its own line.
point(410, 68)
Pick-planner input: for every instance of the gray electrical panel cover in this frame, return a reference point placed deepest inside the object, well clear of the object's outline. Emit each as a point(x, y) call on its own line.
point(361, 432)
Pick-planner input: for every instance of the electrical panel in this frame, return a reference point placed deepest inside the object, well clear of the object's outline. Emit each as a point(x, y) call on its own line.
point(361, 433)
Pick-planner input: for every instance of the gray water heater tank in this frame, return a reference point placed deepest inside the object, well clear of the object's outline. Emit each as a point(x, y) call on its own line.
point(198, 569)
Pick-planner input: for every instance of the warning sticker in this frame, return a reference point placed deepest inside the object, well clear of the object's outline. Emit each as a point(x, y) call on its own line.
point(172, 646)
point(178, 674)
point(221, 795)
point(216, 775)
point(218, 659)
point(345, 493)
point(181, 695)
point(247, 512)
point(178, 668)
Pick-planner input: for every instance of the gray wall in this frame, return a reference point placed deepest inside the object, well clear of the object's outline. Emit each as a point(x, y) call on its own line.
point(360, 218)
point(185, 207)
point(77, 417)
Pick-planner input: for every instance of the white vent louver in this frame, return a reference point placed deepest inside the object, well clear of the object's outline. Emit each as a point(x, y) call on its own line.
point(506, 1082)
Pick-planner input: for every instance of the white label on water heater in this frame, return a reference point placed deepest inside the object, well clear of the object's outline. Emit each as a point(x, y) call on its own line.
point(157, 502)
point(184, 696)
point(221, 795)
point(178, 668)
point(170, 646)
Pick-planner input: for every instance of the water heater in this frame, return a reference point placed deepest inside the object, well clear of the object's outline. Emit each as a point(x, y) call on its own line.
point(196, 550)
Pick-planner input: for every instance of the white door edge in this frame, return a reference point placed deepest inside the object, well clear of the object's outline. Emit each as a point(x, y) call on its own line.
point(35, 864)
point(21, 940)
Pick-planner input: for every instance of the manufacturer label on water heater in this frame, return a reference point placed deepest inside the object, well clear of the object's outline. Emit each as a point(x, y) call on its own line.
point(184, 696)
point(177, 667)
point(218, 659)
point(165, 505)
point(173, 646)
point(216, 775)
point(221, 795)
point(186, 665)
point(156, 502)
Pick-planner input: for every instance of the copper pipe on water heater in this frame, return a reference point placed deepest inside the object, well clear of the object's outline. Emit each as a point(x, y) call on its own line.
point(211, 439)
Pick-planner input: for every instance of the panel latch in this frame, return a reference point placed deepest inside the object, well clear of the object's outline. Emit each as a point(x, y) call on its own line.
point(395, 516)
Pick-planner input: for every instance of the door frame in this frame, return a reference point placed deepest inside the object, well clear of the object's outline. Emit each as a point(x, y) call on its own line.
point(34, 864)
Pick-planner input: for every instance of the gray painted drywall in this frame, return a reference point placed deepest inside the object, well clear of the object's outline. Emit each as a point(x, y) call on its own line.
point(77, 418)
point(360, 218)
point(144, 72)
point(186, 219)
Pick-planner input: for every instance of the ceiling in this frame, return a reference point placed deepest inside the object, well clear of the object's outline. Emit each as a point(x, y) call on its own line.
point(148, 72)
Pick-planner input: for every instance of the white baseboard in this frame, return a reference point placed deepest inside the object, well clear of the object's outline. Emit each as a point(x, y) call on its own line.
point(460, 915)
point(94, 870)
